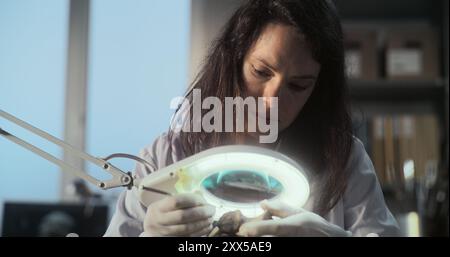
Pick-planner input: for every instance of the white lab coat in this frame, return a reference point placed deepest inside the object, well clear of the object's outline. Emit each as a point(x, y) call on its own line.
point(361, 210)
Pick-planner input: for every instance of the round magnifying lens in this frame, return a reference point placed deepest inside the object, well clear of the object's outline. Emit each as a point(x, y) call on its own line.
point(242, 186)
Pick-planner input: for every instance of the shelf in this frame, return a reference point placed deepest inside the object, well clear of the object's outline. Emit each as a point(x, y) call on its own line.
point(393, 91)
point(393, 10)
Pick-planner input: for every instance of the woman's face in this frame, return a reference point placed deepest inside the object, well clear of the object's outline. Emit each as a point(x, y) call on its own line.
point(280, 64)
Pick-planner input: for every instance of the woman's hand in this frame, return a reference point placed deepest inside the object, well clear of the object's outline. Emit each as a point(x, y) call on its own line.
point(180, 215)
point(292, 222)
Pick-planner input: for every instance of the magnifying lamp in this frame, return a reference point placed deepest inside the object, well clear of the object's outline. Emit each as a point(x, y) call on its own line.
point(234, 177)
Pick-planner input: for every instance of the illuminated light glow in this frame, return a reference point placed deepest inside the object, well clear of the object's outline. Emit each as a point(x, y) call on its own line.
point(413, 226)
point(408, 169)
point(270, 165)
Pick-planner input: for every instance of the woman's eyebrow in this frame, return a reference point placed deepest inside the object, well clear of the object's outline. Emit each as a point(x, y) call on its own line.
point(307, 76)
point(266, 63)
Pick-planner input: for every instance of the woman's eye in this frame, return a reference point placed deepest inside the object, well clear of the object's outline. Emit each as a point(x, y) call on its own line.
point(297, 88)
point(261, 73)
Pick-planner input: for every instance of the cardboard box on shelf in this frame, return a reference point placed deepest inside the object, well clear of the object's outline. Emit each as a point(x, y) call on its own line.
point(361, 53)
point(412, 53)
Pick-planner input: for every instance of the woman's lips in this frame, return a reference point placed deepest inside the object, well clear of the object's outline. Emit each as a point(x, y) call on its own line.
point(268, 120)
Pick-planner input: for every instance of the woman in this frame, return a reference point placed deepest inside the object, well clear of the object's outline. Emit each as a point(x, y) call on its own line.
point(292, 50)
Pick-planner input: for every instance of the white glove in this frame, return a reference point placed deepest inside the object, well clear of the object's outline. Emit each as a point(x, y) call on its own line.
point(292, 222)
point(179, 215)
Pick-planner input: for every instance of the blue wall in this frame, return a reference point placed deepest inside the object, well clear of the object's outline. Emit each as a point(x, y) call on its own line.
point(138, 62)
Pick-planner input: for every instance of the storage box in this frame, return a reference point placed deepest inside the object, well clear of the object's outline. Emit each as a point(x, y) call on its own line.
point(361, 53)
point(412, 53)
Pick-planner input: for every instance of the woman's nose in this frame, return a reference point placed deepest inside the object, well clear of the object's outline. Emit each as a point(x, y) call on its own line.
point(272, 90)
